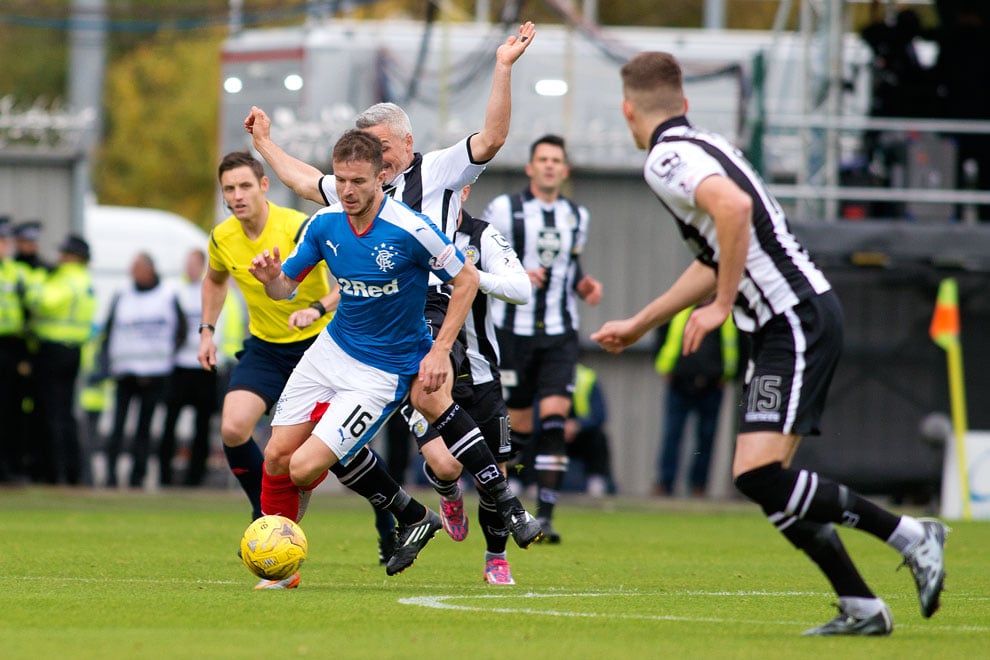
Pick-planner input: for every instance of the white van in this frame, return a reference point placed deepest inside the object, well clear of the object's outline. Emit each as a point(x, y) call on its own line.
point(117, 233)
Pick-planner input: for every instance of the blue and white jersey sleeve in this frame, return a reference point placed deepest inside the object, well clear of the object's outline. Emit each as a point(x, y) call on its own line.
point(305, 255)
point(435, 250)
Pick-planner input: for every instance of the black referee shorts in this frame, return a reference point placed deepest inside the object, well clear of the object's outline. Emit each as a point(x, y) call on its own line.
point(792, 362)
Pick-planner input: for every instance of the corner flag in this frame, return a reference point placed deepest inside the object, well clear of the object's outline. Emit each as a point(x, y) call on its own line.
point(944, 328)
point(944, 331)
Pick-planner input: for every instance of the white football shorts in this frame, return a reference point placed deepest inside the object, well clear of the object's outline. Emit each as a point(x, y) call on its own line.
point(348, 399)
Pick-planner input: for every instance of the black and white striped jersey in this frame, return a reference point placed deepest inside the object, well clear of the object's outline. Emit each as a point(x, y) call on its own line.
point(779, 273)
point(502, 279)
point(548, 235)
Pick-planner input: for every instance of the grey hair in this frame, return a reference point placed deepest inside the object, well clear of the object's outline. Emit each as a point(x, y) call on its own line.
point(385, 114)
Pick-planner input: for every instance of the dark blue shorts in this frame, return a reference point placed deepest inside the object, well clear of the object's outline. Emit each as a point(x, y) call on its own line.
point(264, 367)
point(793, 358)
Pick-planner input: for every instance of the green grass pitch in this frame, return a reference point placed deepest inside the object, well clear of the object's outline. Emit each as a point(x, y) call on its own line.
point(100, 574)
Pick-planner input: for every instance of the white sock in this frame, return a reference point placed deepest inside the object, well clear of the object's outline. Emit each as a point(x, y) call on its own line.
point(861, 608)
point(494, 555)
point(909, 533)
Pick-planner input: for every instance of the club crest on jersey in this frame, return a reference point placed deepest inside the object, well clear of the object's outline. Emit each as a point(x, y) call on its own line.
point(440, 261)
point(548, 245)
point(384, 257)
point(570, 220)
point(472, 254)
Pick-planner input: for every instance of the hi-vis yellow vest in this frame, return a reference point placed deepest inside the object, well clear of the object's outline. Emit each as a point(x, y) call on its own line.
point(63, 307)
point(670, 352)
point(583, 384)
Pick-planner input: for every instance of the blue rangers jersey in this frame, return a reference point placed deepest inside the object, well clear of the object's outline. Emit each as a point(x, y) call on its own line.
point(382, 275)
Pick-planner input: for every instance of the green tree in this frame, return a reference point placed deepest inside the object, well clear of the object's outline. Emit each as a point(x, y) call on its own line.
point(160, 141)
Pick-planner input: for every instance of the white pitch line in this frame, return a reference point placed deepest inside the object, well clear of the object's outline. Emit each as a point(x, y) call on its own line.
point(444, 602)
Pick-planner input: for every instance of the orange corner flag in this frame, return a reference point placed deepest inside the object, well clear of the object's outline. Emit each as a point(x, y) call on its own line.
point(944, 329)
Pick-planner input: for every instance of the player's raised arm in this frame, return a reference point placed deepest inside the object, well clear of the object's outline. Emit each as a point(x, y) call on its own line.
point(302, 178)
point(485, 144)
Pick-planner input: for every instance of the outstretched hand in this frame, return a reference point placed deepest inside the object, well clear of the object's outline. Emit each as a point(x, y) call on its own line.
point(615, 336)
point(515, 46)
point(267, 266)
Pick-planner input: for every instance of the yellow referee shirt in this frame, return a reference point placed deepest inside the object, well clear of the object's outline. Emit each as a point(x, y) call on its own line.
point(232, 251)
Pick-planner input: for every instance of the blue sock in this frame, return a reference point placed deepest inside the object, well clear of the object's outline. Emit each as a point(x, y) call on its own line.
point(245, 462)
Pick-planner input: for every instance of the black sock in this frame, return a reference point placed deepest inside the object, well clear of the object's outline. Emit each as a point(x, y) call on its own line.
point(824, 547)
point(522, 468)
point(492, 525)
point(550, 464)
point(245, 462)
point(788, 494)
point(467, 445)
point(367, 477)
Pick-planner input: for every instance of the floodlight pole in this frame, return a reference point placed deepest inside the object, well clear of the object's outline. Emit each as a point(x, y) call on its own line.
point(87, 65)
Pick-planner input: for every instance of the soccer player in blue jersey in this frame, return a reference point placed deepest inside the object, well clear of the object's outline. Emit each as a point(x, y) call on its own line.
point(360, 370)
point(748, 259)
point(431, 183)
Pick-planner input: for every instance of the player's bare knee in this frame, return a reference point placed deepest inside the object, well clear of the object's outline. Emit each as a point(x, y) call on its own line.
point(431, 405)
point(303, 470)
point(233, 433)
point(277, 457)
point(446, 467)
point(441, 461)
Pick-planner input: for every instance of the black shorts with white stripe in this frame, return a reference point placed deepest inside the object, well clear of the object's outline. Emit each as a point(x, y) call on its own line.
point(793, 359)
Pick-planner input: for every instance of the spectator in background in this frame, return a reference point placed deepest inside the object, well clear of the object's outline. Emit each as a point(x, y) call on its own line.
point(26, 238)
point(695, 383)
point(62, 311)
point(190, 384)
point(144, 329)
point(584, 432)
point(13, 287)
point(94, 397)
point(902, 85)
point(963, 74)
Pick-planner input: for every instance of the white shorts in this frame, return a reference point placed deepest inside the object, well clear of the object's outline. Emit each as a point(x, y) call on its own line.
point(348, 399)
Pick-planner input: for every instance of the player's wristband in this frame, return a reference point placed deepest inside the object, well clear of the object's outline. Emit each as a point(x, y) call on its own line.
point(318, 306)
point(206, 326)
